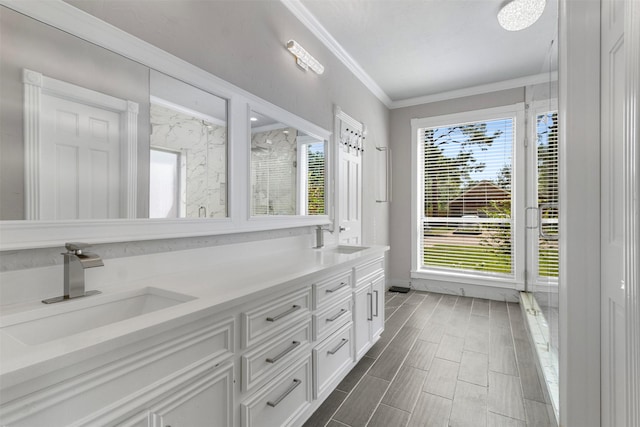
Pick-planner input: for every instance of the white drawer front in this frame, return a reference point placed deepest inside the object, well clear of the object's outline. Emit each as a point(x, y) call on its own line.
point(332, 288)
point(332, 357)
point(267, 360)
point(330, 319)
point(269, 319)
point(282, 401)
point(369, 269)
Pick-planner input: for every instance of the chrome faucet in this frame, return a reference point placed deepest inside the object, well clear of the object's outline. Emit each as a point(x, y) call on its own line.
point(319, 237)
point(75, 262)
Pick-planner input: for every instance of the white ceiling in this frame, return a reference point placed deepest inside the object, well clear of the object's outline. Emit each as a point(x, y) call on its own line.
point(408, 49)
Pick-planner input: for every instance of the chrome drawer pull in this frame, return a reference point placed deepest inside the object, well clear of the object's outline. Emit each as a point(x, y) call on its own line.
point(296, 383)
point(370, 316)
point(338, 347)
point(286, 313)
point(337, 288)
point(289, 349)
point(331, 319)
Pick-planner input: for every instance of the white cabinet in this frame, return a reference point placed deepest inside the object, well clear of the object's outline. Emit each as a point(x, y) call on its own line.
point(377, 304)
point(293, 348)
point(368, 299)
point(362, 319)
point(283, 401)
point(205, 399)
point(125, 381)
point(331, 358)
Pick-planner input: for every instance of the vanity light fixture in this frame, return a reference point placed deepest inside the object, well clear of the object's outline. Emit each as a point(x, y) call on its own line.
point(516, 15)
point(254, 119)
point(303, 58)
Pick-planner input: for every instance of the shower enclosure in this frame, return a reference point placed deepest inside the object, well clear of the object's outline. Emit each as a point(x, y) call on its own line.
point(540, 301)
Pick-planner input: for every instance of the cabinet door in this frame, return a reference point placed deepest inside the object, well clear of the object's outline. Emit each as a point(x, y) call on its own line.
point(362, 319)
point(204, 401)
point(377, 302)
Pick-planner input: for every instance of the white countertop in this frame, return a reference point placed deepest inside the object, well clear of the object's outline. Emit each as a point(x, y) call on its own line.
point(217, 284)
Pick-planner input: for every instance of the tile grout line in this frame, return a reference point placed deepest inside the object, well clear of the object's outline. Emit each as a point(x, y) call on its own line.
point(365, 373)
point(368, 369)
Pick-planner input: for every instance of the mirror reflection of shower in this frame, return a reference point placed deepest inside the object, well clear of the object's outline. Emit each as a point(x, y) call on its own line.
point(188, 152)
point(287, 169)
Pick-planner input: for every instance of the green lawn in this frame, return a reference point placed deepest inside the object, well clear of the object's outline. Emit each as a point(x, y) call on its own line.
point(548, 262)
point(467, 257)
point(479, 258)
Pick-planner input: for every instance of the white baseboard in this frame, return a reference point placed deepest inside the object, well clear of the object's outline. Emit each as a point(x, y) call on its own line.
point(452, 288)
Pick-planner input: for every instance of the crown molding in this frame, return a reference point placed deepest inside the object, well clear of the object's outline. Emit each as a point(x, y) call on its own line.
point(310, 21)
point(477, 90)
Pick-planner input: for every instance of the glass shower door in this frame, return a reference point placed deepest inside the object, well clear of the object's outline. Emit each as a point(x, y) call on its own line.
point(542, 237)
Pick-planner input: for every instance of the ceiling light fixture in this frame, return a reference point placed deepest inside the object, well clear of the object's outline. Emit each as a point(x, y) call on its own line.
point(303, 58)
point(516, 15)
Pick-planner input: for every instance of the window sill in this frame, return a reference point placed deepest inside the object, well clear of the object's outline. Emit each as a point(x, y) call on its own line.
point(469, 278)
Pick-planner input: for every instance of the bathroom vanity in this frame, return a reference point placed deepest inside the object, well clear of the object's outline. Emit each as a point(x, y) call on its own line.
point(233, 342)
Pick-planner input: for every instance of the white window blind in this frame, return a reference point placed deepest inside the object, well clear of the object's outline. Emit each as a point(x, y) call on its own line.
point(547, 165)
point(315, 185)
point(466, 196)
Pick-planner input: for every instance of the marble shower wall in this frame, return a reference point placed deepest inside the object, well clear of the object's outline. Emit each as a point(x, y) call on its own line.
point(274, 172)
point(204, 145)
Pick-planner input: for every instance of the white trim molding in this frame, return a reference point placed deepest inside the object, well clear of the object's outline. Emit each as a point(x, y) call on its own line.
point(632, 209)
point(477, 90)
point(302, 13)
point(35, 85)
point(579, 217)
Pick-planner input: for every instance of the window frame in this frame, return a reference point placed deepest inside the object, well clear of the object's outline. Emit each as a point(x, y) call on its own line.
point(518, 198)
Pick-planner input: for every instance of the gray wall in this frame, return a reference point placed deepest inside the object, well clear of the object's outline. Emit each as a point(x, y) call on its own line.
point(26, 43)
point(400, 142)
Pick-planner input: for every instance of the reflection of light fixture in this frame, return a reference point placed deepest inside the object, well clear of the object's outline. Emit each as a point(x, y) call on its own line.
point(254, 119)
point(303, 58)
point(516, 15)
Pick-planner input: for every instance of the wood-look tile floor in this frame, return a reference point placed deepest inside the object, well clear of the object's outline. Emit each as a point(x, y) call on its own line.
point(442, 360)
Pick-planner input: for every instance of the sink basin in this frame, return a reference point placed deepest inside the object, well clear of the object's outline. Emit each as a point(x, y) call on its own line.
point(74, 316)
point(344, 249)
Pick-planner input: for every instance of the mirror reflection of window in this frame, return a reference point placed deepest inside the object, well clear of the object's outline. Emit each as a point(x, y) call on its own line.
point(287, 169)
point(192, 122)
point(311, 154)
point(164, 189)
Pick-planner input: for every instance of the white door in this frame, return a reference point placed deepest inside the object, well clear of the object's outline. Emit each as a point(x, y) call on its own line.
point(349, 187)
point(613, 372)
point(79, 161)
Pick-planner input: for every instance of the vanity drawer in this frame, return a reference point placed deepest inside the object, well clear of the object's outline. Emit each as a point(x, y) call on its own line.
point(369, 269)
point(267, 360)
point(330, 319)
point(333, 287)
point(283, 401)
point(331, 358)
point(267, 320)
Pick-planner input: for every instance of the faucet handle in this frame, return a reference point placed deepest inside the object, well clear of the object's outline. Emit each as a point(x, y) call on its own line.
point(76, 247)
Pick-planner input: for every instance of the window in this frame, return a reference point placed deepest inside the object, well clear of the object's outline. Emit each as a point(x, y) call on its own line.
point(312, 173)
point(547, 191)
point(465, 193)
point(165, 183)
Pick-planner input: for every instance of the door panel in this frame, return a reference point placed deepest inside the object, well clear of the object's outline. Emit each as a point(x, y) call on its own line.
point(613, 372)
point(80, 161)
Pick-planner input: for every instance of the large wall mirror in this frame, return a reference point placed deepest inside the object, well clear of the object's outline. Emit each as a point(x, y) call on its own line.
point(288, 169)
point(88, 134)
point(104, 137)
